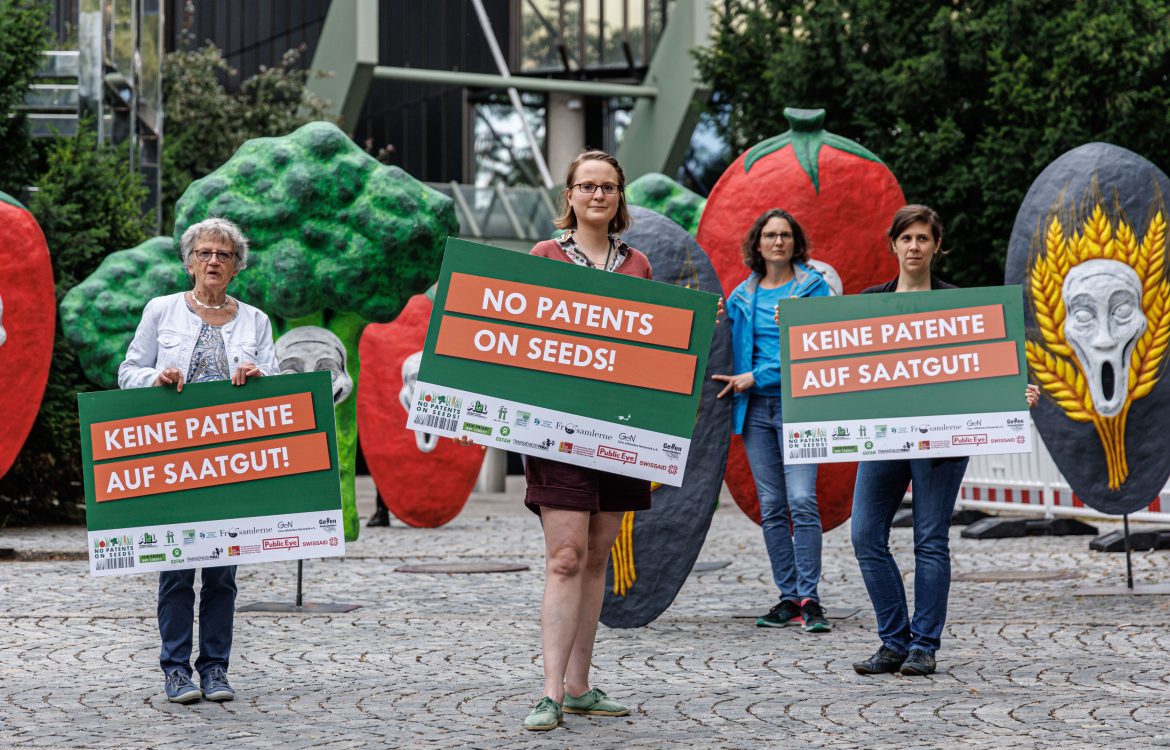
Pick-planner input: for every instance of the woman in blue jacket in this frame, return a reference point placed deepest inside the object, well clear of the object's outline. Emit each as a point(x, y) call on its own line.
point(776, 251)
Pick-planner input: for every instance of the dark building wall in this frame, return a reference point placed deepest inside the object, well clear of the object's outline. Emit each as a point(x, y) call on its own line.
point(424, 124)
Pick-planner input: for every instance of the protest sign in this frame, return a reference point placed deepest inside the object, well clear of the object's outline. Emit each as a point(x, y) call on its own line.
point(564, 362)
point(215, 475)
point(915, 375)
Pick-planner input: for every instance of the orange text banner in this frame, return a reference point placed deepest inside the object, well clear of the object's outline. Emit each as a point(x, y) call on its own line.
point(567, 310)
point(212, 466)
point(905, 368)
point(566, 355)
point(861, 336)
point(205, 426)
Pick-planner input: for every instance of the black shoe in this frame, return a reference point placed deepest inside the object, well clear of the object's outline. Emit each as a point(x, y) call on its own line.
point(884, 661)
point(779, 616)
point(813, 616)
point(381, 516)
point(918, 663)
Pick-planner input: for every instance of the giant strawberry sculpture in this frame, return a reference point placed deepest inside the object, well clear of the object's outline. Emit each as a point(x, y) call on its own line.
point(844, 197)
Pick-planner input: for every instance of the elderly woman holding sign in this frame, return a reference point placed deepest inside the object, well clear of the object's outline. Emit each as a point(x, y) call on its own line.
point(580, 508)
point(908, 645)
point(199, 336)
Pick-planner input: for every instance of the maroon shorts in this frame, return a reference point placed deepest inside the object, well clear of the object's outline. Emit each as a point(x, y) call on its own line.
point(552, 484)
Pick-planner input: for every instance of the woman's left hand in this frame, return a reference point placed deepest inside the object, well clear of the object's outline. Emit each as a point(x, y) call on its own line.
point(245, 371)
point(719, 311)
point(738, 383)
point(1032, 394)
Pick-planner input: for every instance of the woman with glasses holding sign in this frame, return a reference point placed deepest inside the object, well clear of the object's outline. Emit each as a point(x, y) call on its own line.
point(581, 508)
point(776, 251)
point(198, 336)
point(908, 645)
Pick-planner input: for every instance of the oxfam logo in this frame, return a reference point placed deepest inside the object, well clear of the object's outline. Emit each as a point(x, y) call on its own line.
point(869, 445)
point(505, 431)
point(176, 553)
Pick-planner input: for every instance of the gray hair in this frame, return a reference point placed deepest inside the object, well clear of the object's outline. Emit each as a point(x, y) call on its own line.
point(220, 229)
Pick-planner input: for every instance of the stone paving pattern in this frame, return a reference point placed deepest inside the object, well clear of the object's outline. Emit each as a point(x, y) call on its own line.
point(453, 660)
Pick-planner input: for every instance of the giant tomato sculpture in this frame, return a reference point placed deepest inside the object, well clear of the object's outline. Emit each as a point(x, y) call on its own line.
point(424, 483)
point(27, 319)
point(843, 197)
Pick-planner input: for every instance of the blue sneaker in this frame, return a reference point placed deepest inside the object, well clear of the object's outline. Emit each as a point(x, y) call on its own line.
point(180, 689)
point(215, 685)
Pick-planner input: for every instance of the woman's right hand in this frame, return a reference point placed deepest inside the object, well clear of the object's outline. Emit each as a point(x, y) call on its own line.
point(171, 376)
point(463, 440)
point(737, 383)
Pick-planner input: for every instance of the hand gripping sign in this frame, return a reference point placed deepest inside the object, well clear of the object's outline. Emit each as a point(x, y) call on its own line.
point(564, 362)
point(916, 375)
point(215, 475)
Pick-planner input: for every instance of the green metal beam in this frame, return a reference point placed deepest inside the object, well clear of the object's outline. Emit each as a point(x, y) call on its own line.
point(348, 52)
point(661, 128)
point(523, 83)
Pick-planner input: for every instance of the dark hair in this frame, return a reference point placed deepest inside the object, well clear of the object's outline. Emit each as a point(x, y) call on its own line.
point(568, 220)
point(911, 214)
point(751, 243)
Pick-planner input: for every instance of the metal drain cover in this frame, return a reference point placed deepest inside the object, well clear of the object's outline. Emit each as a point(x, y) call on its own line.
point(1007, 576)
point(470, 567)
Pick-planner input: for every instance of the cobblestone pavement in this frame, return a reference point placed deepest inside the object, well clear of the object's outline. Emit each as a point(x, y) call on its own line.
point(453, 660)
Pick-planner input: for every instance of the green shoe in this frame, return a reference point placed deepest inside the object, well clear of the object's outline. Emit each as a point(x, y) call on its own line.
point(594, 703)
point(544, 716)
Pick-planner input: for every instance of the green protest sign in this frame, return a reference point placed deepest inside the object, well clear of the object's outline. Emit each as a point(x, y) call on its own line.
point(556, 360)
point(913, 375)
point(215, 475)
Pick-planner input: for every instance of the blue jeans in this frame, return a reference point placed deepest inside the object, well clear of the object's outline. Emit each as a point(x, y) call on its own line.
point(788, 502)
point(876, 496)
point(176, 617)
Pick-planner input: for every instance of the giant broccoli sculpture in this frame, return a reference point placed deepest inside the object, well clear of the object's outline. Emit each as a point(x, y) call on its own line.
point(659, 193)
point(337, 240)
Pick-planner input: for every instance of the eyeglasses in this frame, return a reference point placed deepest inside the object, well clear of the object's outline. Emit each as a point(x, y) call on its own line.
point(772, 236)
point(221, 255)
point(588, 188)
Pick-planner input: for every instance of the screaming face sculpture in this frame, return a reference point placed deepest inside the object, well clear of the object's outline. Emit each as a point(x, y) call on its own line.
point(312, 349)
point(1103, 299)
point(425, 441)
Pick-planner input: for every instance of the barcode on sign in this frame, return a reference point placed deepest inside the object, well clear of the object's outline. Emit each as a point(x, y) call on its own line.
point(808, 452)
point(114, 563)
point(433, 420)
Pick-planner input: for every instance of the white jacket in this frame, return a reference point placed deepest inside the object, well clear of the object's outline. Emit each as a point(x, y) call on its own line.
point(166, 338)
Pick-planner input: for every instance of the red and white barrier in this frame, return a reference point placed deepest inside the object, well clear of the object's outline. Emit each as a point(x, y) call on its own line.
point(1031, 483)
